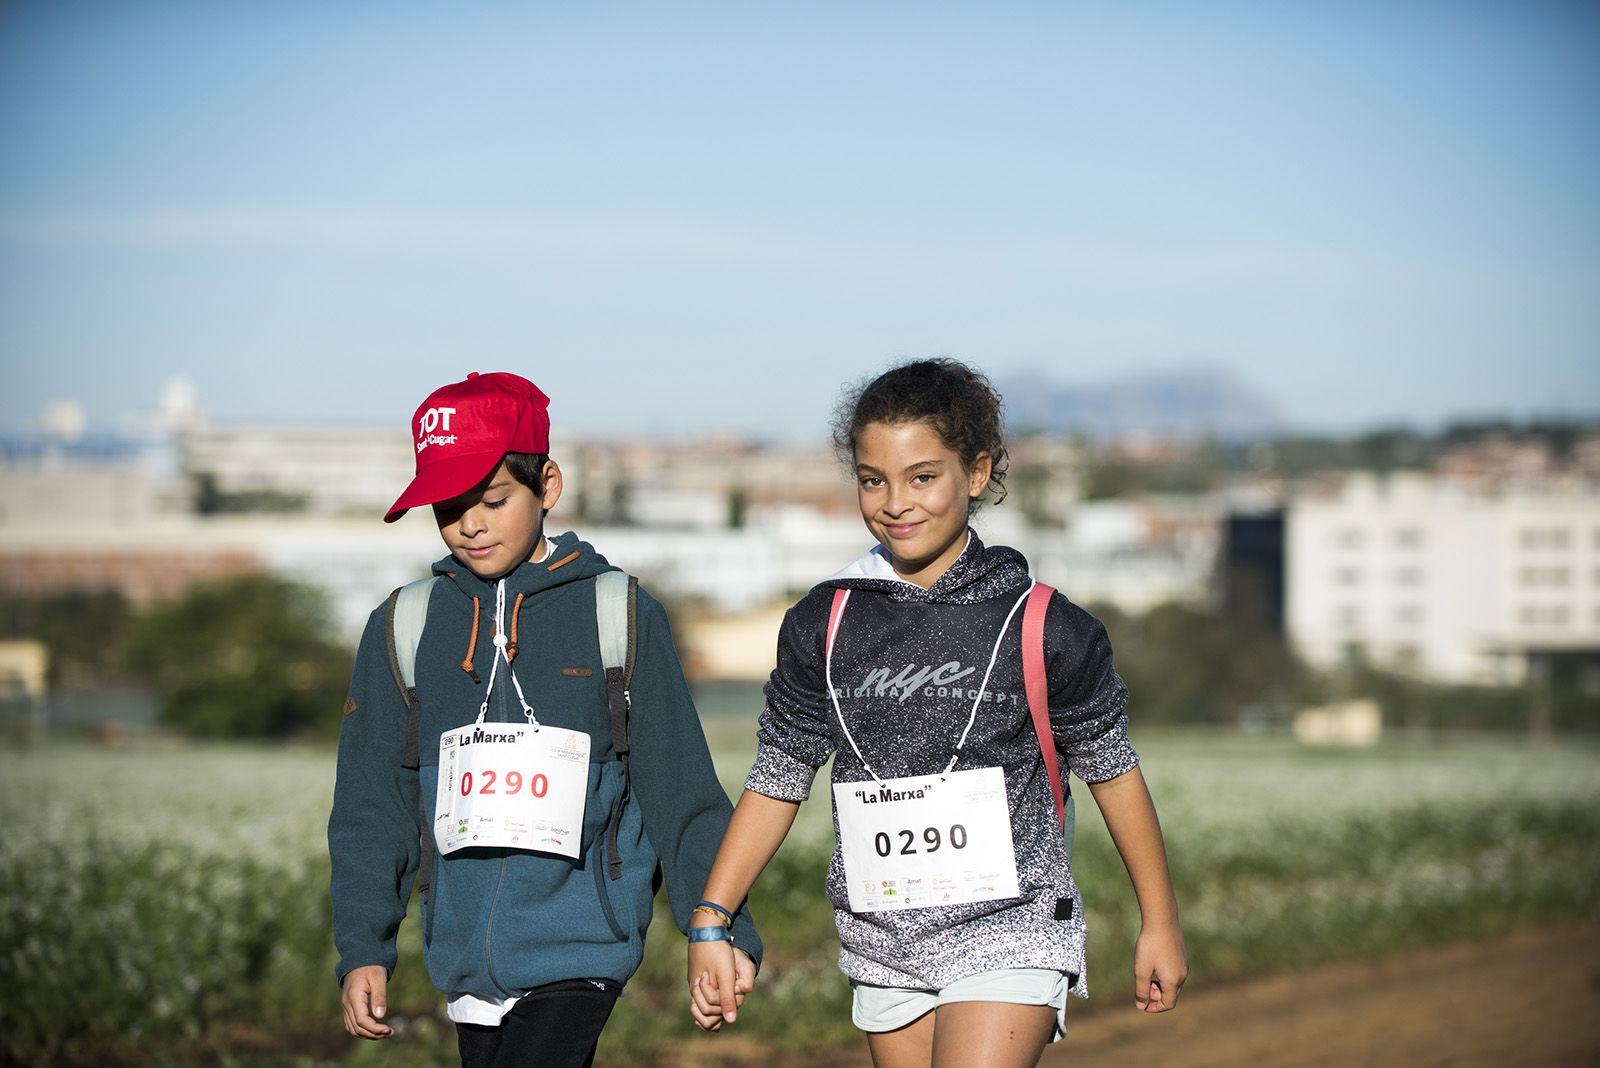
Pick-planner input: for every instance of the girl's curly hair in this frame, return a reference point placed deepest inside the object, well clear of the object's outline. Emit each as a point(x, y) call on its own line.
point(952, 398)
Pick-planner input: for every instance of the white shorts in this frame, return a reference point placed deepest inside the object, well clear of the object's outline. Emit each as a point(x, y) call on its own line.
point(889, 1008)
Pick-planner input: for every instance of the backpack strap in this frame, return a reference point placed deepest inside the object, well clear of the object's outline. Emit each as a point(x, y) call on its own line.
point(1033, 674)
point(835, 612)
point(616, 609)
point(405, 617)
point(405, 614)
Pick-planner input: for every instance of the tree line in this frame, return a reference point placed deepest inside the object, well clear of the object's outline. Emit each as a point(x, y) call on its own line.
point(258, 656)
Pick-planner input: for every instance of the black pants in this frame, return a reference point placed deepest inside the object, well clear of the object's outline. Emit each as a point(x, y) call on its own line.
point(553, 1026)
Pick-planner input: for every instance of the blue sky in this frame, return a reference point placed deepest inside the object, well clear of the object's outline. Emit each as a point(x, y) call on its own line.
point(694, 217)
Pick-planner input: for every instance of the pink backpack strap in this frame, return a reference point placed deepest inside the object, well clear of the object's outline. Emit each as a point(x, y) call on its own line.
point(834, 615)
point(1033, 676)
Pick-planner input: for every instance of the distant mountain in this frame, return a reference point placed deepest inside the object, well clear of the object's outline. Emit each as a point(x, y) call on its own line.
point(1188, 403)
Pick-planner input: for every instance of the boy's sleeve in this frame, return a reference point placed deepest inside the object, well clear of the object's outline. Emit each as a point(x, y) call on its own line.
point(1088, 700)
point(372, 831)
point(794, 734)
point(684, 807)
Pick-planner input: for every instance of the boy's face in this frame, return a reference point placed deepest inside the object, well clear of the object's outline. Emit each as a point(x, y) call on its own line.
point(499, 523)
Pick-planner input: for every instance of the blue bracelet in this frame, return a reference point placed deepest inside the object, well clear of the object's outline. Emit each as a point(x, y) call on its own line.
point(714, 907)
point(709, 934)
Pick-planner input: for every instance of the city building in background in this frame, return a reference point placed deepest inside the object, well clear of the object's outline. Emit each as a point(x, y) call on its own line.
point(1465, 579)
point(1470, 566)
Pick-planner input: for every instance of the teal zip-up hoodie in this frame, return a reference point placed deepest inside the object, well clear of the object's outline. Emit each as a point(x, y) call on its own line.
point(498, 922)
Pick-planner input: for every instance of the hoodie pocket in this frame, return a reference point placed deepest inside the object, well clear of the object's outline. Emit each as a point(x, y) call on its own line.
point(597, 863)
point(430, 866)
point(607, 798)
point(430, 909)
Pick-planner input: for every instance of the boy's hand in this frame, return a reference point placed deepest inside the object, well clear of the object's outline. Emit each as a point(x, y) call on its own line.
point(744, 975)
point(719, 978)
point(366, 999)
point(1160, 968)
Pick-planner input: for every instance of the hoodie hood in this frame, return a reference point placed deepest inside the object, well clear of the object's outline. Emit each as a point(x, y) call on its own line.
point(980, 573)
point(570, 560)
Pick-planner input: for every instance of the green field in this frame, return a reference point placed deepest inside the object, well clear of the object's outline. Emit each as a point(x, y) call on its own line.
point(173, 897)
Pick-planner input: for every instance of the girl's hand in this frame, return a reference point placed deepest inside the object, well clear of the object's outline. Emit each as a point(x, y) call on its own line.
point(719, 975)
point(715, 992)
point(1160, 967)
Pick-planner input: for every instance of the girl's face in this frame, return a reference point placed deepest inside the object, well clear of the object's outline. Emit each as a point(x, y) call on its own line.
point(913, 491)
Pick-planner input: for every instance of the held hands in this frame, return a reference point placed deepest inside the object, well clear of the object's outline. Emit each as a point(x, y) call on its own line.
point(719, 978)
point(366, 999)
point(1160, 967)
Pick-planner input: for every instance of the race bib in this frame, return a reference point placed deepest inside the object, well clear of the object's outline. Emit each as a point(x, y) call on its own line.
point(511, 786)
point(918, 841)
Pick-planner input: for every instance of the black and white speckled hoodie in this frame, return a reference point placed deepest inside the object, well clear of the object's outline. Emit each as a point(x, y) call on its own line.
point(893, 637)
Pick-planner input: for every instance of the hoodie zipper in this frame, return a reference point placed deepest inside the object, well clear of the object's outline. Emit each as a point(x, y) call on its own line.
point(601, 890)
point(500, 710)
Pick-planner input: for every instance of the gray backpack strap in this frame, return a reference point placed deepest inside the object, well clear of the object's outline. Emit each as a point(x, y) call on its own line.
point(410, 615)
point(405, 615)
point(613, 594)
point(616, 598)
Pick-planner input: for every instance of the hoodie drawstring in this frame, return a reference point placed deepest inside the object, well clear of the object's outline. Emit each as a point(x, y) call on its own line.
point(501, 642)
point(516, 611)
point(836, 617)
point(472, 643)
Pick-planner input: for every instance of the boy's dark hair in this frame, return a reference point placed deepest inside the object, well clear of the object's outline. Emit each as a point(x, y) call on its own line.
point(528, 469)
point(952, 398)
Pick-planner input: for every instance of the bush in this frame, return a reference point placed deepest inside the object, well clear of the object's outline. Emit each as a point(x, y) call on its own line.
point(83, 629)
point(153, 943)
point(249, 657)
point(1188, 665)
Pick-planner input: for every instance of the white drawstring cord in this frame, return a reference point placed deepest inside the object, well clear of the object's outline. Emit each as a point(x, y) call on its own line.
point(973, 718)
point(827, 674)
point(500, 643)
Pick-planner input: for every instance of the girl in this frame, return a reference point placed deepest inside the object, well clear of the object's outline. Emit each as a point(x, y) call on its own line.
point(960, 925)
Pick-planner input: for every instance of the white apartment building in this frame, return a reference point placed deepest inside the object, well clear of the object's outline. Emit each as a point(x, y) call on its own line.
point(336, 470)
point(1442, 578)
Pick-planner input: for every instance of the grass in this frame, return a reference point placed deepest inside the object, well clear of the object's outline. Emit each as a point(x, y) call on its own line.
point(173, 898)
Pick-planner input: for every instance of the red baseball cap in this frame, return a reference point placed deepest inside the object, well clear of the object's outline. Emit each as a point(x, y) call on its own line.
point(463, 429)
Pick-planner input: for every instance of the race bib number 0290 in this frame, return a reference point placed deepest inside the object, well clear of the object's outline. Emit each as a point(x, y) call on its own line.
point(918, 841)
point(511, 786)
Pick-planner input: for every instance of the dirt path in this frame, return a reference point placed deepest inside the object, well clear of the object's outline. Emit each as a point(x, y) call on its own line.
point(1528, 999)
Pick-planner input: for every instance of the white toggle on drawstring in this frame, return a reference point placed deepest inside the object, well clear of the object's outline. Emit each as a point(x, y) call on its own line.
point(500, 643)
point(827, 675)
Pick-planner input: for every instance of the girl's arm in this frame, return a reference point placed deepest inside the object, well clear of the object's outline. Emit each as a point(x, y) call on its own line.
point(758, 827)
point(1160, 959)
point(684, 808)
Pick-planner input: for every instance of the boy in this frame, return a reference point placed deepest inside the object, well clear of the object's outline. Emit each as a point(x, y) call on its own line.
point(532, 937)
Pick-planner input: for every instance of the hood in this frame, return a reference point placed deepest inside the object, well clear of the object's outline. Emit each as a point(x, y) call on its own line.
point(571, 560)
point(980, 573)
